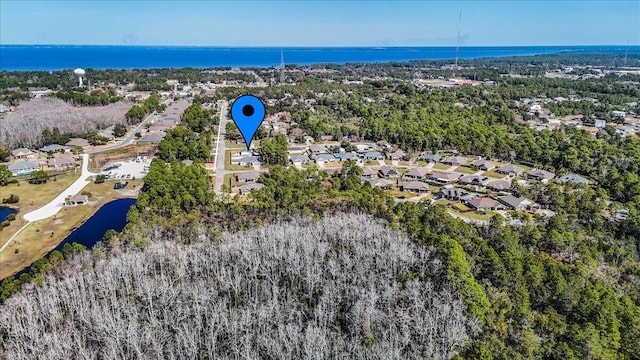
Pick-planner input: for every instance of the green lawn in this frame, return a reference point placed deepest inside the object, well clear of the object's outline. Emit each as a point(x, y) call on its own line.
point(465, 170)
point(441, 166)
point(493, 174)
point(400, 194)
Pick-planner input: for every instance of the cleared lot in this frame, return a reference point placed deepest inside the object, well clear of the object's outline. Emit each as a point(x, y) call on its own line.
point(135, 168)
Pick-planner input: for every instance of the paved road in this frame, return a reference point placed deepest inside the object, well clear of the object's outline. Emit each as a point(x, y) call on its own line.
point(126, 141)
point(221, 148)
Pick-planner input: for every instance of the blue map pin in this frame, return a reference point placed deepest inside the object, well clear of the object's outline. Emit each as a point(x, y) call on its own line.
point(247, 113)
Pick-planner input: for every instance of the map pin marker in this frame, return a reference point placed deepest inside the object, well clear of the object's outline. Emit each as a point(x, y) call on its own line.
point(247, 113)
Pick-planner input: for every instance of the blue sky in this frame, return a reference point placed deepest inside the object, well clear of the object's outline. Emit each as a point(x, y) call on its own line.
point(320, 23)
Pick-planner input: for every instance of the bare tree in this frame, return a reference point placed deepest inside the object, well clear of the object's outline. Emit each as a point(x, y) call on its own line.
point(24, 126)
point(347, 286)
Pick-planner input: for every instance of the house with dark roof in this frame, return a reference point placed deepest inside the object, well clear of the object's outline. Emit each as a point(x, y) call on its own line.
point(477, 180)
point(511, 170)
point(418, 173)
point(152, 138)
point(248, 176)
point(518, 203)
point(78, 200)
point(388, 171)
point(540, 175)
point(450, 192)
point(317, 149)
point(483, 165)
point(485, 203)
point(416, 186)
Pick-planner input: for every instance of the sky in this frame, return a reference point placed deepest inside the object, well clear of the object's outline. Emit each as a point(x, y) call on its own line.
point(320, 23)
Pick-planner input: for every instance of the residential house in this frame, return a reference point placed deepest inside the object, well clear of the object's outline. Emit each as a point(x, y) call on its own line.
point(248, 176)
point(78, 200)
point(326, 138)
point(80, 142)
point(347, 156)
point(250, 161)
point(373, 155)
point(540, 175)
point(368, 173)
point(388, 171)
point(455, 160)
point(299, 159)
point(416, 186)
point(518, 203)
point(451, 192)
point(398, 155)
point(362, 148)
point(23, 167)
point(511, 170)
point(444, 177)
point(323, 158)
point(380, 183)
point(333, 172)
point(500, 185)
point(296, 150)
point(23, 153)
point(383, 144)
point(477, 180)
point(485, 203)
point(418, 173)
point(151, 138)
point(62, 162)
point(574, 179)
point(430, 158)
point(483, 165)
point(245, 189)
point(317, 149)
point(53, 148)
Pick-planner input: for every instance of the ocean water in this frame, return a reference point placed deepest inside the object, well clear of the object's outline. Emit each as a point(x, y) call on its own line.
point(58, 57)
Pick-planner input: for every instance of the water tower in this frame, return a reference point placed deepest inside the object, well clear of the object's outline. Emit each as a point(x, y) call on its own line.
point(79, 73)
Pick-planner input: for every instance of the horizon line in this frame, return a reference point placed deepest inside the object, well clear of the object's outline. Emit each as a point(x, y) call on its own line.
point(322, 46)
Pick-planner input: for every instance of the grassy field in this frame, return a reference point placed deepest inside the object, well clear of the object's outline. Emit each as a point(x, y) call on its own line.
point(400, 194)
point(482, 216)
point(233, 145)
point(42, 236)
point(32, 197)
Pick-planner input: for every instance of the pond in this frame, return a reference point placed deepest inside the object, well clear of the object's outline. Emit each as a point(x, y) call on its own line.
point(5, 211)
point(112, 215)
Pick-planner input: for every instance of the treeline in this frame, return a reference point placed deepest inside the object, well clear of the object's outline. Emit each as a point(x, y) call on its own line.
point(138, 112)
point(94, 98)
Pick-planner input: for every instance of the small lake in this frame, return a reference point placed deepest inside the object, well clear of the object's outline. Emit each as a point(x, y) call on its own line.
point(4, 212)
point(112, 215)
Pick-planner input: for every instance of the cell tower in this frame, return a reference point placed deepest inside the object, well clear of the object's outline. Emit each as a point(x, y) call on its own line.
point(458, 40)
point(281, 66)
